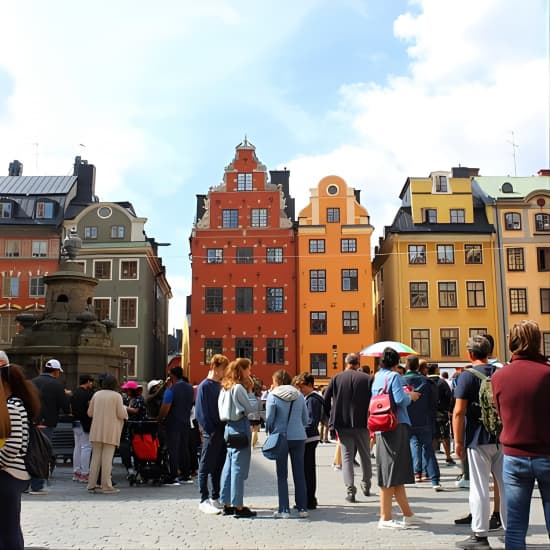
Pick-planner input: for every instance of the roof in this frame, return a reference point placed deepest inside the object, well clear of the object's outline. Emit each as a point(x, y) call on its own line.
point(521, 186)
point(36, 185)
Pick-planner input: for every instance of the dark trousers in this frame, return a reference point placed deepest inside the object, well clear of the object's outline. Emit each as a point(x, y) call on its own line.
point(310, 471)
point(177, 443)
point(211, 464)
point(11, 537)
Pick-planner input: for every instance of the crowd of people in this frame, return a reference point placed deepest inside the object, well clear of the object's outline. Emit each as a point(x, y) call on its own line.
point(209, 432)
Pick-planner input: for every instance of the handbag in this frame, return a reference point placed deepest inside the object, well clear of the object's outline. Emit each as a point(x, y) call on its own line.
point(39, 456)
point(382, 417)
point(236, 440)
point(275, 444)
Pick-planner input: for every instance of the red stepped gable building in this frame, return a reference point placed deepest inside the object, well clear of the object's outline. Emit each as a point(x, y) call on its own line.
point(243, 251)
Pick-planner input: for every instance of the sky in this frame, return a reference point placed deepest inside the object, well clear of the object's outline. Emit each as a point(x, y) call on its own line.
point(158, 95)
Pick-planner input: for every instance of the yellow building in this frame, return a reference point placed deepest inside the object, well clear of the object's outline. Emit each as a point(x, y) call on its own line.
point(520, 210)
point(334, 278)
point(434, 269)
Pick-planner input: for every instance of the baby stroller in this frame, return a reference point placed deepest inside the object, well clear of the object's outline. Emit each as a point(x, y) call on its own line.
point(150, 458)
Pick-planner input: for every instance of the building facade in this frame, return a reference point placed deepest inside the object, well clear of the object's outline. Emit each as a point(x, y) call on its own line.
point(334, 278)
point(243, 251)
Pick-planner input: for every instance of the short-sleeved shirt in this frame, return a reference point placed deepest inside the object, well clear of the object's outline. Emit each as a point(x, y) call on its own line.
point(467, 387)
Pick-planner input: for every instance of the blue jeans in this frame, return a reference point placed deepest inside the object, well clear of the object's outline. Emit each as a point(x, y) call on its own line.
point(236, 467)
point(296, 449)
point(11, 488)
point(519, 474)
point(37, 484)
point(211, 463)
point(422, 446)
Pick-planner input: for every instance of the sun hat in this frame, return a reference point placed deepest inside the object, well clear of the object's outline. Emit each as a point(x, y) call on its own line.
point(130, 385)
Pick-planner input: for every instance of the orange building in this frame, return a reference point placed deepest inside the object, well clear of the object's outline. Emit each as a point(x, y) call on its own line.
point(335, 314)
point(243, 301)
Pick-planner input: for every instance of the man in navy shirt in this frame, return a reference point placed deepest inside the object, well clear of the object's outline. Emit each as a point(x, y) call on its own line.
point(484, 455)
point(213, 444)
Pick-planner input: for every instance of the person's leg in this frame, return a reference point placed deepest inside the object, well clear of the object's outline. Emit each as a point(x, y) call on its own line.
point(218, 453)
point(107, 453)
point(86, 452)
point(184, 463)
point(204, 469)
point(39, 484)
point(239, 474)
point(519, 480)
point(497, 466)
point(77, 451)
point(402, 500)
point(296, 449)
point(173, 440)
point(386, 498)
point(416, 453)
point(541, 469)
point(310, 473)
point(480, 470)
point(362, 443)
point(281, 465)
point(95, 465)
point(225, 494)
point(11, 536)
point(347, 444)
point(425, 437)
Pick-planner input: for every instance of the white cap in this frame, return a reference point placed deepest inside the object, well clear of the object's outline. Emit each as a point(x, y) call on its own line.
point(54, 364)
point(152, 384)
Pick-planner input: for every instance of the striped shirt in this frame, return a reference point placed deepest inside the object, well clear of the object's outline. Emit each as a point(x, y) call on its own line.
point(12, 454)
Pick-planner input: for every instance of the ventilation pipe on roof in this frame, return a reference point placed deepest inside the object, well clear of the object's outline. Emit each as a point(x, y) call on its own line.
point(15, 168)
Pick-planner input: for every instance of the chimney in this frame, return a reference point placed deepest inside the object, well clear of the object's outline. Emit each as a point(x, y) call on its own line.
point(15, 169)
point(201, 207)
point(282, 178)
point(464, 172)
point(541, 172)
point(85, 188)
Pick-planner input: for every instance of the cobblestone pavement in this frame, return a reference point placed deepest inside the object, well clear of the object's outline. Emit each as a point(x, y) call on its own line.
point(149, 517)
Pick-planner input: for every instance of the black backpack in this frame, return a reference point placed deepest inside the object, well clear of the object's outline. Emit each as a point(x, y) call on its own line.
point(39, 453)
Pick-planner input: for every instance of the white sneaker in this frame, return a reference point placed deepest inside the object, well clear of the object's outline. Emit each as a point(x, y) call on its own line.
point(281, 515)
point(216, 503)
point(206, 508)
point(336, 467)
point(390, 524)
point(412, 520)
point(463, 483)
point(303, 513)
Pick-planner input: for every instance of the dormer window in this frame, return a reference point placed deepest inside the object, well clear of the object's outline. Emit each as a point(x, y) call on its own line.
point(44, 210)
point(5, 209)
point(244, 182)
point(441, 184)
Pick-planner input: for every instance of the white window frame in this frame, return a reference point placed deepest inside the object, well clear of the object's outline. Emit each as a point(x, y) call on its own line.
point(258, 217)
point(6, 209)
point(110, 270)
point(124, 347)
point(40, 245)
point(120, 262)
point(244, 181)
point(103, 298)
point(436, 183)
point(42, 210)
point(119, 301)
point(13, 248)
point(36, 294)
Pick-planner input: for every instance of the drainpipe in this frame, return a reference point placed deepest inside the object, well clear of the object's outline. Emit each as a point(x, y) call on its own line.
point(504, 327)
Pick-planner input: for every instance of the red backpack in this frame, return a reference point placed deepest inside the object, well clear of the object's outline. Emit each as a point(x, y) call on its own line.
point(382, 417)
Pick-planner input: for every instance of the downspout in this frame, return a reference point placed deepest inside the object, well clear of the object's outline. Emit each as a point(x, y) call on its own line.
point(503, 327)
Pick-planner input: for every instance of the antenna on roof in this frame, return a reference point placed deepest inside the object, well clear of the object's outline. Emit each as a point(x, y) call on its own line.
point(514, 147)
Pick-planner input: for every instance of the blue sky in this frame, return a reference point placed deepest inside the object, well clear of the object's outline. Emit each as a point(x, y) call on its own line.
point(371, 90)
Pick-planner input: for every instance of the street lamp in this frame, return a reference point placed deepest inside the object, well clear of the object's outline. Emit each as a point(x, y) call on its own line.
point(334, 356)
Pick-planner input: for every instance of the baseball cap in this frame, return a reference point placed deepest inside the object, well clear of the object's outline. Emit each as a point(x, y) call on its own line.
point(54, 364)
point(152, 383)
point(130, 385)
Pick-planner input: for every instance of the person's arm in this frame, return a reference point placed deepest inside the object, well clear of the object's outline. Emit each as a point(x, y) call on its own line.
point(5, 422)
point(305, 412)
point(459, 416)
point(14, 443)
point(121, 411)
point(328, 396)
point(270, 413)
point(91, 406)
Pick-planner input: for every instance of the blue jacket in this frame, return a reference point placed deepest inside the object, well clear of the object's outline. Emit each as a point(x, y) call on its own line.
point(422, 411)
point(277, 409)
point(206, 406)
point(395, 388)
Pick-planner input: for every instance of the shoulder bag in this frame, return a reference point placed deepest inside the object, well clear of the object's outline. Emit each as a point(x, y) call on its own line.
point(276, 444)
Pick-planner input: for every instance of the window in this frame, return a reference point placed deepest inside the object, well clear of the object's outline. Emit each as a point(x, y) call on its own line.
point(102, 308)
point(258, 217)
point(230, 218)
point(243, 348)
point(12, 249)
point(350, 322)
point(318, 364)
point(211, 347)
point(10, 287)
point(274, 255)
point(318, 322)
point(275, 351)
point(350, 279)
point(420, 341)
point(316, 246)
point(449, 342)
point(274, 298)
point(418, 294)
point(457, 215)
point(131, 366)
point(244, 182)
point(546, 344)
point(476, 331)
point(44, 210)
point(117, 232)
point(127, 312)
point(333, 215)
point(445, 254)
point(512, 221)
point(475, 292)
point(473, 254)
point(447, 294)
point(543, 259)
point(348, 245)
point(5, 209)
point(518, 300)
point(214, 255)
point(244, 296)
point(36, 287)
point(213, 300)
point(39, 249)
point(317, 280)
point(430, 215)
point(102, 269)
point(542, 222)
point(441, 184)
point(90, 232)
point(545, 300)
point(515, 259)
point(104, 212)
point(245, 255)
point(417, 253)
point(128, 269)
